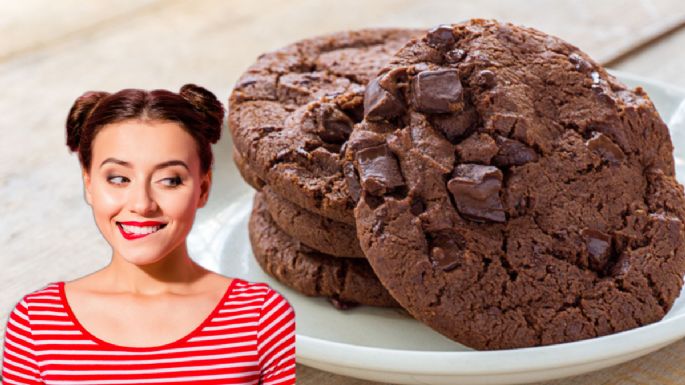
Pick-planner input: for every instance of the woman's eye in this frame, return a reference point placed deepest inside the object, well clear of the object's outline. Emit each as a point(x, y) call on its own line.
point(175, 181)
point(116, 179)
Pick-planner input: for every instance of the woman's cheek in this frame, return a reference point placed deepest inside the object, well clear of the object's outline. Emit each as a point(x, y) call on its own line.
point(178, 205)
point(112, 198)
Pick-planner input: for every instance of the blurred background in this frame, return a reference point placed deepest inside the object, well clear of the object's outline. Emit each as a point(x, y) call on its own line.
point(53, 51)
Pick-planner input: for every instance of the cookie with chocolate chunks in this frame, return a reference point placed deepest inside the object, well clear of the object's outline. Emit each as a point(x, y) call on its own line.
point(292, 111)
point(345, 281)
point(512, 193)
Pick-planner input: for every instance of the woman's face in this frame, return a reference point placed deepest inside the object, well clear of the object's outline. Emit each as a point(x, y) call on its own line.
point(145, 171)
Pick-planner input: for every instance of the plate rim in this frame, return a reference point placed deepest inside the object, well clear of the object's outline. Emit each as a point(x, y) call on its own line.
point(511, 360)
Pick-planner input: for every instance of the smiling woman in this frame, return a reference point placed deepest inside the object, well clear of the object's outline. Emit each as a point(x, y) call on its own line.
point(152, 314)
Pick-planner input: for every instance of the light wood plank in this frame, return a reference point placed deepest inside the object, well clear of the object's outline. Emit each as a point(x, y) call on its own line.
point(30, 25)
point(664, 60)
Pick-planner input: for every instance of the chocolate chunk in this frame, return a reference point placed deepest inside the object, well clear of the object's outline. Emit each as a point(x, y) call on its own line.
point(454, 126)
point(378, 170)
point(605, 147)
point(379, 104)
point(475, 189)
point(437, 91)
point(336, 126)
point(352, 181)
point(440, 36)
point(598, 248)
point(446, 259)
point(579, 63)
point(486, 78)
point(513, 153)
point(455, 56)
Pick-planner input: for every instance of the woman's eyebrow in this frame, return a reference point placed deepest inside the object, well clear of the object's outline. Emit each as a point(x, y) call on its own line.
point(168, 163)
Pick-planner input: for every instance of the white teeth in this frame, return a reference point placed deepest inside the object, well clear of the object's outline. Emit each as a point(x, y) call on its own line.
point(138, 230)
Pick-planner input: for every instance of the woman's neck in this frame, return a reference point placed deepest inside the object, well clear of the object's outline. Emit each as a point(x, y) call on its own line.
point(175, 273)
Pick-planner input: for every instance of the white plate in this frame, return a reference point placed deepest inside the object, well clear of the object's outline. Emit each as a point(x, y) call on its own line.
point(388, 346)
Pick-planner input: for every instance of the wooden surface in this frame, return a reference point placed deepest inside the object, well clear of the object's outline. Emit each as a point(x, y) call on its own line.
point(51, 52)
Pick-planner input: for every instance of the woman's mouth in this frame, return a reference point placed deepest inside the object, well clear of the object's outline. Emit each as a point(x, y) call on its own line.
point(135, 232)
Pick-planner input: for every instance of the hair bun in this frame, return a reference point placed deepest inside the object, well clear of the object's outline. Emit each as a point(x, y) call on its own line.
point(79, 113)
point(207, 104)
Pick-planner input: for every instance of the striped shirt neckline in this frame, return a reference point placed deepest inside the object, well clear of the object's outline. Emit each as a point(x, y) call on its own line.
point(178, 342)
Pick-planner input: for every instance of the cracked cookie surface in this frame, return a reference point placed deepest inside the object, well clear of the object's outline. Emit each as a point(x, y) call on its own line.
point(345, 281)
point(512, 193)
point(249, 176)
point(292, 110)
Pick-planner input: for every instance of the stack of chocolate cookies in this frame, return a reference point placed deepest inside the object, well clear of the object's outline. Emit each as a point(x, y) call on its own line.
point(290, 115)
point(492, 180)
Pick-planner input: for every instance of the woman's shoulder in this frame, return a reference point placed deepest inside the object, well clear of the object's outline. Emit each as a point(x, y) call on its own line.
point(264, 288)
point(247, 288)
point(244, 284)
point(49, 292)
point(272, 300)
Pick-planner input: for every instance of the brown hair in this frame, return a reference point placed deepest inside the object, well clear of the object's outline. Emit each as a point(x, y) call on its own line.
point(196, 109)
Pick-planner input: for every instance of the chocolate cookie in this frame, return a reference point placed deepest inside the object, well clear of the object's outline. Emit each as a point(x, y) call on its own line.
point(292, 110)
point(318, 232)
point(514, 193)
point(345, 281)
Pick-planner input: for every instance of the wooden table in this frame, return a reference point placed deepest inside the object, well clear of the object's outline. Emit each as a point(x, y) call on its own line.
point(51, 52)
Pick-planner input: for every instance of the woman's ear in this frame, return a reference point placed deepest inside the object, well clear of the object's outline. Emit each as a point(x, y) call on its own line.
point(205, 186)
point(86, 187)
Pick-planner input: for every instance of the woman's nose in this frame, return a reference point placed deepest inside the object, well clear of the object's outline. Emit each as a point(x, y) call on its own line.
point(142, 200)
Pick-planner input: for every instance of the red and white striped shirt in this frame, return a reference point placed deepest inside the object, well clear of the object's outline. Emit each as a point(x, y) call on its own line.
point(249, 338)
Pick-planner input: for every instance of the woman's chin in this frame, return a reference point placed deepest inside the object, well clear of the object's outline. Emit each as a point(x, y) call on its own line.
point(142, 259)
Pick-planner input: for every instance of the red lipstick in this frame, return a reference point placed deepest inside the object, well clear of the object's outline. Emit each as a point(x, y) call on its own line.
point(130, 236)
